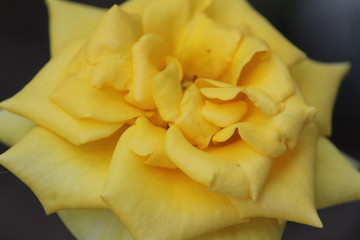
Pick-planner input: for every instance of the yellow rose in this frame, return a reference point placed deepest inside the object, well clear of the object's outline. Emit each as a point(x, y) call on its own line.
point(177, 119)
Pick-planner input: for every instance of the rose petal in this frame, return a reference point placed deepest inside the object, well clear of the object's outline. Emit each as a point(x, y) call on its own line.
point(61, 175)
point(94, 224)
point(201, 54)
point(255, 229)
point(114, 36)
point(13, 127)
point(319, 83)
point(170, 24)
point(223, 115)
point(223, 94)
point(249, 46)
point(289, 185)
point(192, 124)
point(255, 166)
point(209, 83)
point(115, 73)
point(149, 58)
point(34, 103)
point(224, 176)
point(161, 204)
point(167, 93)
point(268, 74)
point(239, 12)
point(149, 141)
point(272, 135)
point(76, 96)
point(70, 20)
point(337, 181)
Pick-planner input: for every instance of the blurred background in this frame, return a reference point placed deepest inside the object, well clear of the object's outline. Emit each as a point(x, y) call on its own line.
point(327, 30)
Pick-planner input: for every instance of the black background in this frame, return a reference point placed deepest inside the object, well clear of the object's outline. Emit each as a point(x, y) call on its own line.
point(327, 30)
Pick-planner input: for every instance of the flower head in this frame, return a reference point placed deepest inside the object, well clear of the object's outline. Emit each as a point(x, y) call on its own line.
point(179, 119)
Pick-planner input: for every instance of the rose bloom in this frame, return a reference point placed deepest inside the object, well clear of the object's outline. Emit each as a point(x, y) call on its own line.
point(177, 119)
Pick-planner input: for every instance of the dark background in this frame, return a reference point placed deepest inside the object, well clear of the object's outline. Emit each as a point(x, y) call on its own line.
point(327, 30)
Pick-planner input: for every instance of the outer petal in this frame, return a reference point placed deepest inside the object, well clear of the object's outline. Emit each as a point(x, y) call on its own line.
point(60, 174)
point(160, 204)
point(255, 229)
point(34, 103)
point(319, 83)
point(239, 12)
point(289, 185)
point(337, 181)
point(94, 225)
point(70, 20)
point(13, 127)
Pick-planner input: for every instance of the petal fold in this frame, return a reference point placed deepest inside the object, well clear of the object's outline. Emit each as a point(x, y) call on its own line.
point(225, 114)
point(77, 97)
point(114, 36)
point(192, 124)
point(248, 48)
point(167, 92)
point(272, 135)
point(239, 13)
point(220, 175)
point(149, 58)
point(201, 54)
point(266, 72)
point(172, 23)
point(149, 141)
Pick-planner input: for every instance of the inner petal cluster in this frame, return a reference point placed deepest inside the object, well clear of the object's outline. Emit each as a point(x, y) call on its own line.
point(212, 83)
